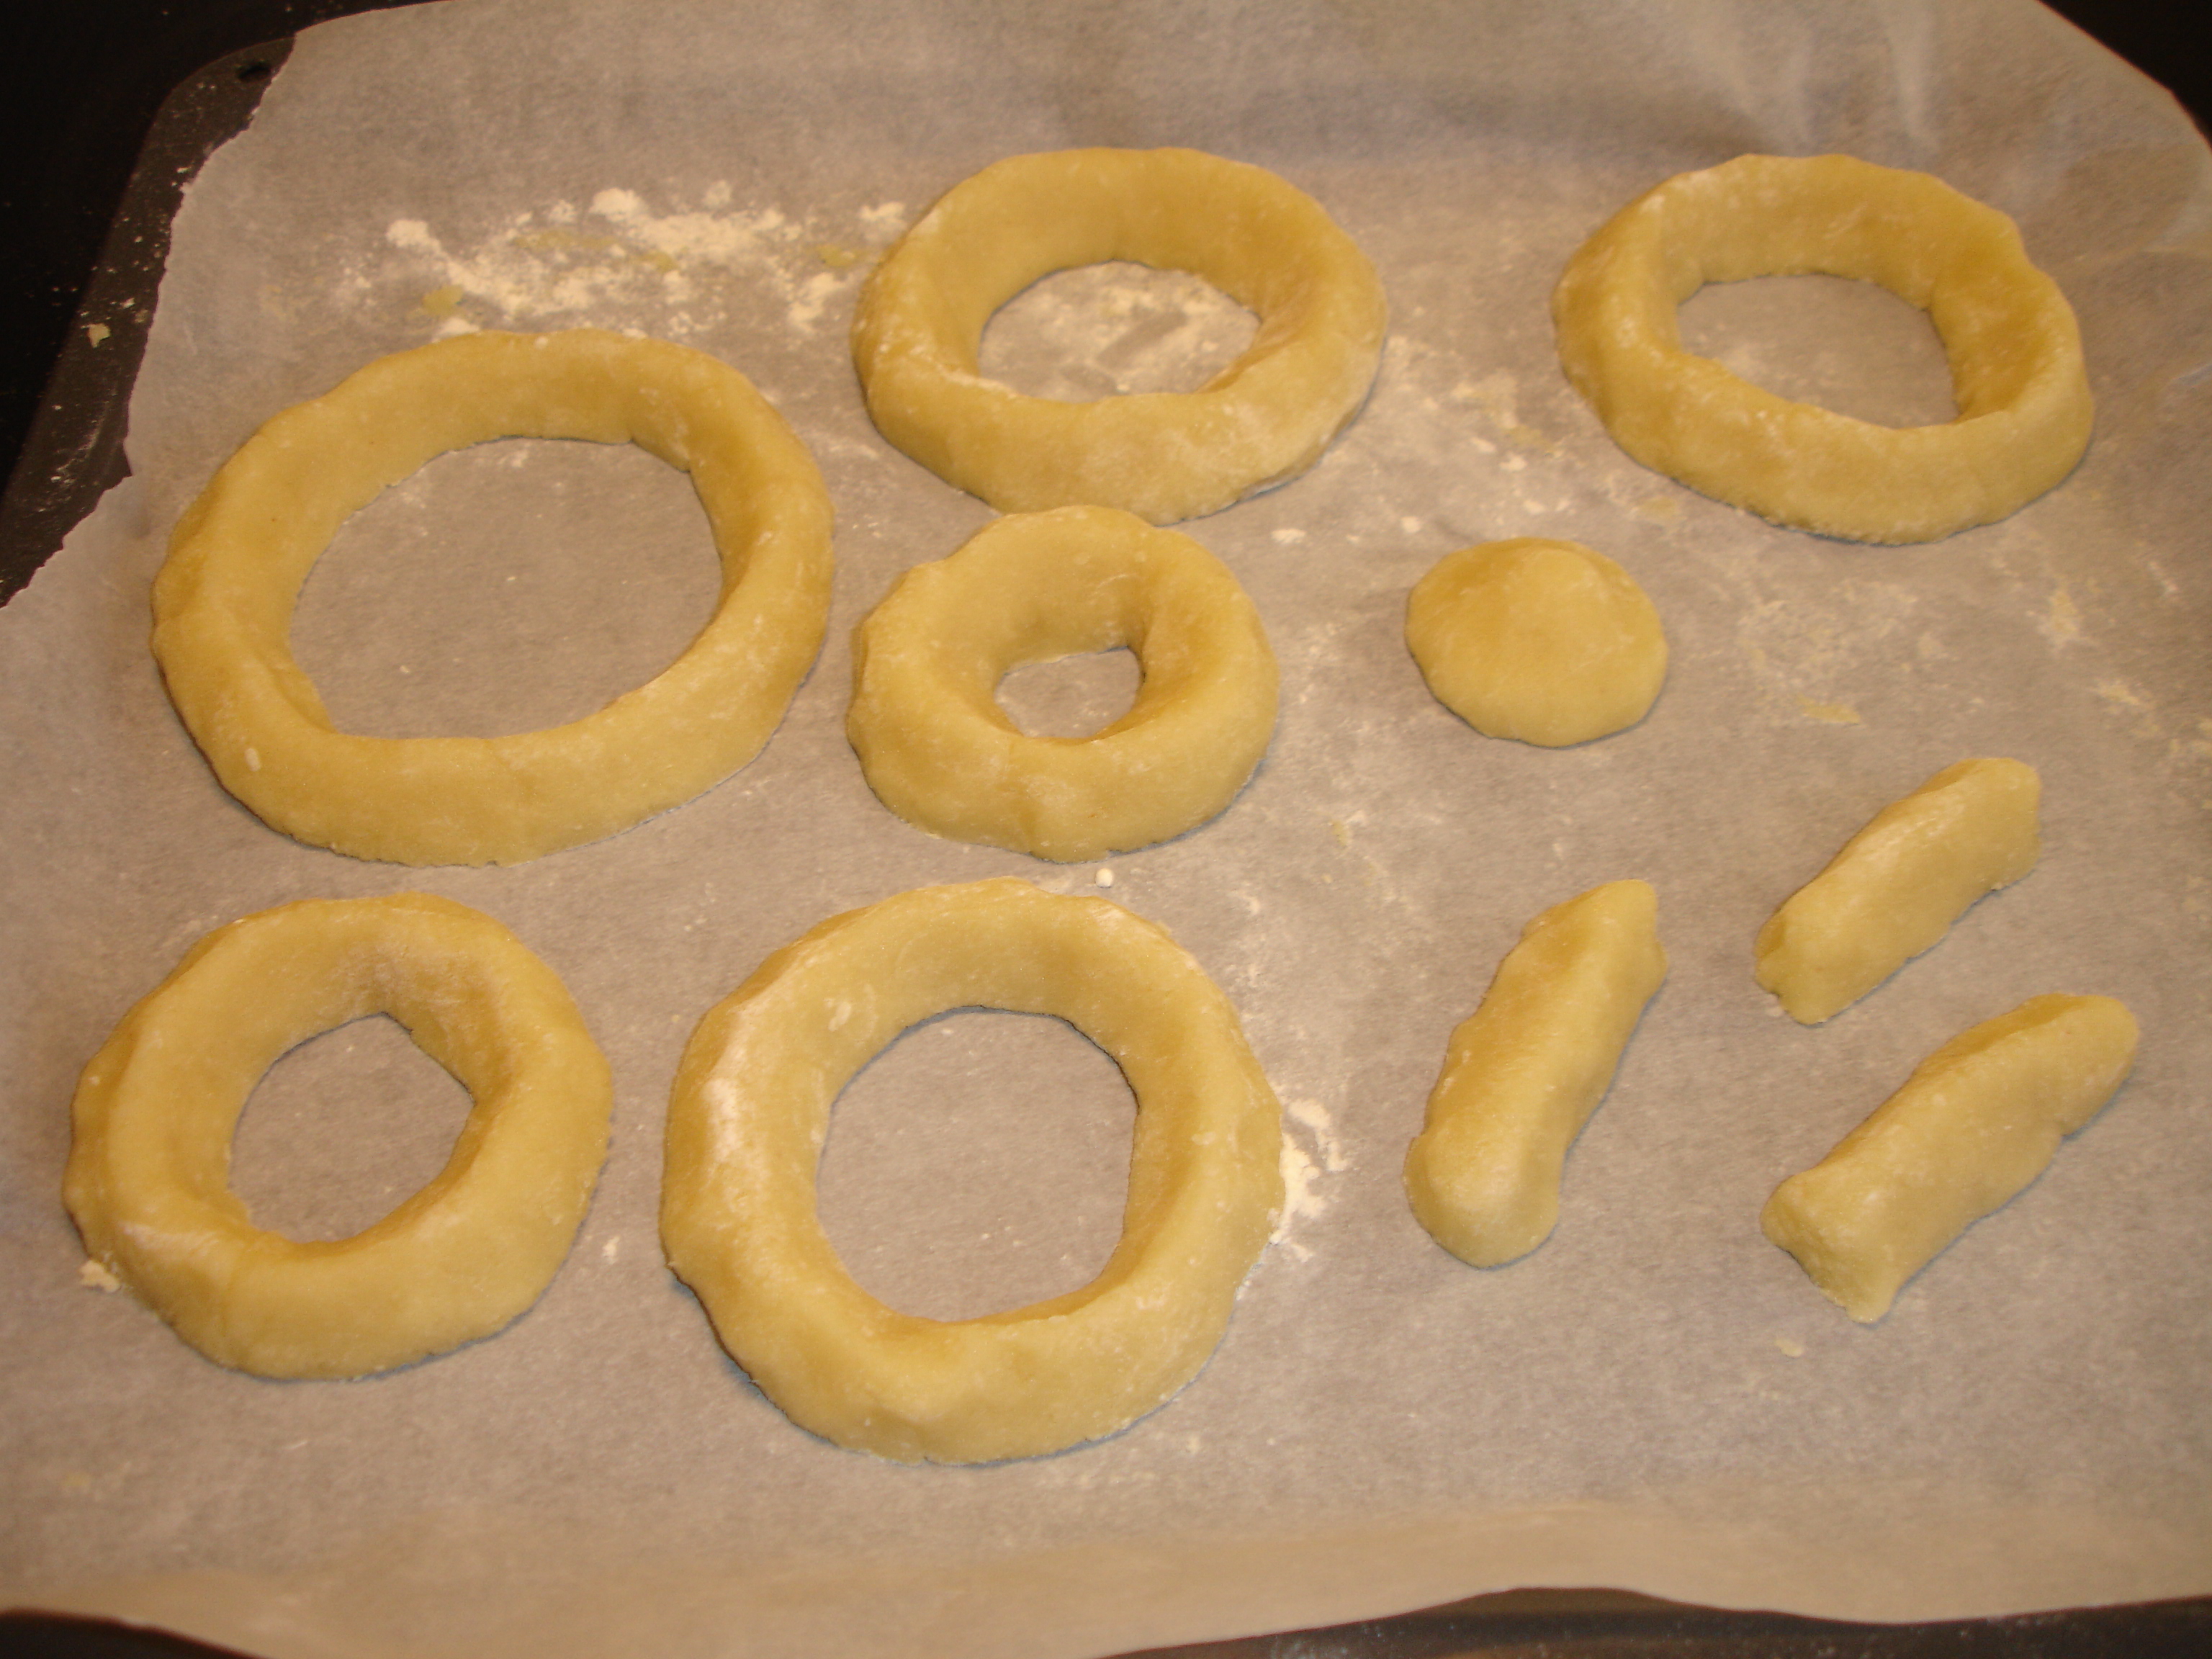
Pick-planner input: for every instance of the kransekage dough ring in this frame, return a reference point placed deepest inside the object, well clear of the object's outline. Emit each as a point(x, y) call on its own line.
point(939, 751)
point(1163, 456)
point(2015, 349)
point(751, 1105)
point(147, 1179)
point(223, 604)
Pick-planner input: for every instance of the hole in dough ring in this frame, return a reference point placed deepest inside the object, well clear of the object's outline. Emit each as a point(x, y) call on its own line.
point(147, 1179)
point(939, 751)
point(751, 1109)
point(1162, 456)
point(2015, 349)
point(223, 604)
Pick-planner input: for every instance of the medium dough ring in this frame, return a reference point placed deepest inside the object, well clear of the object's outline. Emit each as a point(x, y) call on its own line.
point(147, 1179)
point(1163, 456)
point(751, 1109)
point(940, 753)
point(223, 604)
point(2015, 348)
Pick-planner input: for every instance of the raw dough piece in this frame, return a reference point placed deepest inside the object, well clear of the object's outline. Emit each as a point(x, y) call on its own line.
point(752, 1107)
point(940, 753)
point(1898, 885)
point(1524, 1073)
point(1162, 456)
point(148, 1169)
point(2015, 352)
point(1543, 640)
point(222, 604)
point(1976, 1121)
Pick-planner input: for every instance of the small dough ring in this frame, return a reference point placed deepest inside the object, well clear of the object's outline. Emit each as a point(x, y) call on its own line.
point(2015, 349)
point(1162, 456)
point(222, 604)
point(148, 1179)
point(752, 1107)
point(940, 753)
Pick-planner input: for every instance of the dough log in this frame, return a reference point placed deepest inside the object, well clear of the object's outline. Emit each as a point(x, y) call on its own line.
point(1897, 885)
point(1977, 1122)
point(1524, 1073)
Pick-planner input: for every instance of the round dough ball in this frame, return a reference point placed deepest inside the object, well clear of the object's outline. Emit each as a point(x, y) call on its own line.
point(1542, 640)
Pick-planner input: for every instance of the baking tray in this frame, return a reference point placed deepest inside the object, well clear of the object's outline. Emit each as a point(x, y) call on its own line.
point(72, 452)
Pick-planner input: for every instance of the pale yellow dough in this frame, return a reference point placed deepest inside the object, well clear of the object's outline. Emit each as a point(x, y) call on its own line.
point(1524, 1073)
point(148, 1179)
point(940, 753)
point(1162, 456)
point(223, 604)
point(1546, 641)
point(1897, 885)
point(752, 1107)
point(1977, 1122)
point(2015, 349)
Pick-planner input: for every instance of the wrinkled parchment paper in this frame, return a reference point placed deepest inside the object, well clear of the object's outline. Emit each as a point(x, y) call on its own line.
point(1657, 1399)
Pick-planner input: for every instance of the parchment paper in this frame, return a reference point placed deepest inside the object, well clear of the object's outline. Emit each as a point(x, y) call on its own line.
point(1656, 1400)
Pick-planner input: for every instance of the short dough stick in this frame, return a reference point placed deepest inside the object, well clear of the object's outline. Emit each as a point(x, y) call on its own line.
point(1524, 1073)
point(1975, 1123)
point(1897, 885)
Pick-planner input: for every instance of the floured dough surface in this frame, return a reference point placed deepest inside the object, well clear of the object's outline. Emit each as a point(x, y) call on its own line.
point(752, 1107)
point(1897, 885)
point(1524, 1073)
point(147, 1177)
point(1544, 641)
point(1977, 1122)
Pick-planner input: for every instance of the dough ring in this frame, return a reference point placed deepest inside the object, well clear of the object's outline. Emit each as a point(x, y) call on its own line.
point(940, 753)
point(751, 1106)
point(2015, 352)
point(222, 604)
point(1162, 456)
point(148, 1179)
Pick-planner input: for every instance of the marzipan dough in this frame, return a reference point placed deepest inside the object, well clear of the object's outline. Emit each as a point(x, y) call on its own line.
point(1977, 1122)
point(1543, 640)
point(1524, 1073)
point(940, 753)
point(223, 604)
point(1897, 885)
point(752, 1107)
point(148, 1179)
point(1162, 456)
point(2015, 352)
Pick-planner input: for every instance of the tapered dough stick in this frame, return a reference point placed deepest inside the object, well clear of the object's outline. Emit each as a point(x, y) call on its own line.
point(1524, 1073)
point(1897, 885)
point(1977, 1122)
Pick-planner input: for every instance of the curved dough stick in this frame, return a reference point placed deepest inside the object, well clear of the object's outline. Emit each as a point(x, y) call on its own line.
point(1898, 885)
point(1524, 1073)
point(1976, 1121)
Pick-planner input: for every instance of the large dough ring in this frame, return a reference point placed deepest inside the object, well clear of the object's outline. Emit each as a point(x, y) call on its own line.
point(148, 1169)
point(752, 1107)
point(1162, 456)
point(2015, 352)
point(940, 753)
point(222, 604)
